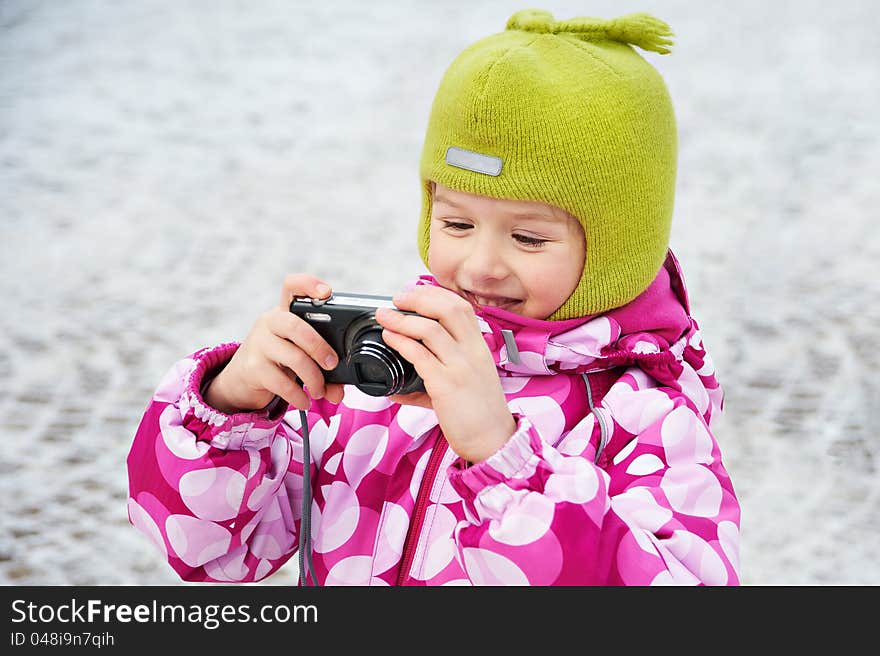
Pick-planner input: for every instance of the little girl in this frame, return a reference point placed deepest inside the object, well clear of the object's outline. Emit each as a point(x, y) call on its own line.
point(563, 437)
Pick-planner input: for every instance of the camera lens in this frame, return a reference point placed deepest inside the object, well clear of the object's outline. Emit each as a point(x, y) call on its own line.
point(379, 369)
point(371, 371)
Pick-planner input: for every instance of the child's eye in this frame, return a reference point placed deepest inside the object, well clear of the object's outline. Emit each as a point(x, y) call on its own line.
point(456, 225)
point(526, 240)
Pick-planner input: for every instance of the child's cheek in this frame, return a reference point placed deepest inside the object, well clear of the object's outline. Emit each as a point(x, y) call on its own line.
point(439, 263)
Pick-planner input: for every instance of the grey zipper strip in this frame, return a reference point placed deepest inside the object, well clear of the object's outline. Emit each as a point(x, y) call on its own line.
point(603, 427)
point(510, 343)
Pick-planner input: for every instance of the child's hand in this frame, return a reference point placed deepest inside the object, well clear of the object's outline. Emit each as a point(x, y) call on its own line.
point(456, 366)
point(279, 347)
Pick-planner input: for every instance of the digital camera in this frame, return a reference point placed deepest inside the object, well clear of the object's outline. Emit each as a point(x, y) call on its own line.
point(348, 323)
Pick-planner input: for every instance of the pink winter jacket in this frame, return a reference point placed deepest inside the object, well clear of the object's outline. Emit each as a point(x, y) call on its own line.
point(626, 490)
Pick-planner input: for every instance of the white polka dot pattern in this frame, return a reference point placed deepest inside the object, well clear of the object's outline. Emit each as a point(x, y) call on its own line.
point(220, 495)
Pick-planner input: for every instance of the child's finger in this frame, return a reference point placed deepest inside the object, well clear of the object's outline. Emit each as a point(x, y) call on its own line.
point(290, 327)
point(334, 392)
point(420, 399)
point(283, 384)
point(302, 284)
point(425, 361)
point(428, 331)
point(447, 307)
point(282, 352)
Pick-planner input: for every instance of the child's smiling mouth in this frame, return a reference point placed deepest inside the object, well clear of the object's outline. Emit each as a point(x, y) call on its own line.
point(490, 300)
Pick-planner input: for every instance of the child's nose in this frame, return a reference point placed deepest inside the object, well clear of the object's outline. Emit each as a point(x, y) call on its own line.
point(485, 260)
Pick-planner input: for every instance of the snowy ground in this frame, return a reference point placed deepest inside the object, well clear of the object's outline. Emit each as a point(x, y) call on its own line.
point(163, 164)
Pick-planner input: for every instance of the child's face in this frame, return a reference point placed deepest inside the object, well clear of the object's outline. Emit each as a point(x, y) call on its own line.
point(523, 256)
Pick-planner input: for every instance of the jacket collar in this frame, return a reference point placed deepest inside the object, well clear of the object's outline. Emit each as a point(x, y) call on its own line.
point(647, 327)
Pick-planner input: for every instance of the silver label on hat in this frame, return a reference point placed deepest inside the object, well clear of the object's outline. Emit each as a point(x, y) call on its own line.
point(471, 161)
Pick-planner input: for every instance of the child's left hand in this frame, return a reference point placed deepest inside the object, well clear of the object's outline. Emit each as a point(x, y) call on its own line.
point(456, 366)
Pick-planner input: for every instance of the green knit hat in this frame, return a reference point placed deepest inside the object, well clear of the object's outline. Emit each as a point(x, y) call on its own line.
point(567, 113)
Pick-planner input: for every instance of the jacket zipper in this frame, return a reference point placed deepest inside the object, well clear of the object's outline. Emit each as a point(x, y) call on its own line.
point(415, 526)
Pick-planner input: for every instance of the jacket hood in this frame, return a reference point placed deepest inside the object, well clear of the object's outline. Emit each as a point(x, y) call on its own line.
point(654, 332)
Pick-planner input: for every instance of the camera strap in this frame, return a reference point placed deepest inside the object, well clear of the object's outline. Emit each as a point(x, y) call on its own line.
point(305, 524)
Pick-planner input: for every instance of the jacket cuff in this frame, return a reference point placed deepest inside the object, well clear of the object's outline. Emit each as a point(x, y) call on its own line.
point(252, 430)
point(517, 459)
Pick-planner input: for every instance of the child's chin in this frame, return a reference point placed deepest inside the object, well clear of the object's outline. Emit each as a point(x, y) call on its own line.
point(514, 306)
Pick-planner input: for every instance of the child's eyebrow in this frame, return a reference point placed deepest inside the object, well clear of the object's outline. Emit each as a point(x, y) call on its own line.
point(538, 215)
point(438, 198)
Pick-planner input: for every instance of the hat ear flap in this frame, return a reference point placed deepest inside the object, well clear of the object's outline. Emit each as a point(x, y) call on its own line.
point(424, 234)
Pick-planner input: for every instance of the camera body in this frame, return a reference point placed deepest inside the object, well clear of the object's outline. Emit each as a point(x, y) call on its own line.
point(348, 323)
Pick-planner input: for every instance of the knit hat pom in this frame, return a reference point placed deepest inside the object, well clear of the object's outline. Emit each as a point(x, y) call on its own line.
point(642, 30)
point(531, 20)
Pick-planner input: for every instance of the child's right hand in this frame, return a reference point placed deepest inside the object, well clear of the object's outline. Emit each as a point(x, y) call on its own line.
point(279, 348)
